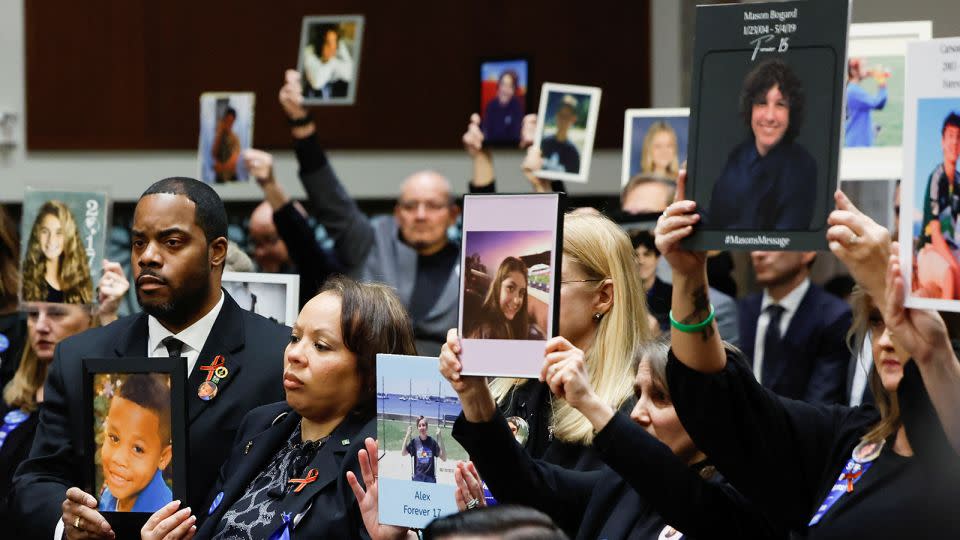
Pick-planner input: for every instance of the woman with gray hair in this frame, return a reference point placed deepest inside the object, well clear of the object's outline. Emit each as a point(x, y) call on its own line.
point(657, 483)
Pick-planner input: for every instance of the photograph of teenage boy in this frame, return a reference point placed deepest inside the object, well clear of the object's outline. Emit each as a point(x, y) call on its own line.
point(225, 150)
point(769, 181)
point(137, 447)
point(178, 252)
point(941, 202)
point(559, 153)
point(859, 128)
point(327, 63)
point(504, 312)
point(659, 155)
point(55, 267)
point(424, 450)
point(503, 115)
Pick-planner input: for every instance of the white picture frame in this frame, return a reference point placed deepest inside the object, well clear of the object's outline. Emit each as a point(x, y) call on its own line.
point(282, 305)
point(586, 134)
point(244, 106)
point(630, 143)
point(353, 49)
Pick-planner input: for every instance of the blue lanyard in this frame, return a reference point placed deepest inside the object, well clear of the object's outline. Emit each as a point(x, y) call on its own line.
point(10, 422)
point(851, 474)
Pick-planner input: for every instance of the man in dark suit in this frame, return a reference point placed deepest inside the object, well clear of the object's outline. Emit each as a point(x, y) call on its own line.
point(795, 331)
point(178, 252)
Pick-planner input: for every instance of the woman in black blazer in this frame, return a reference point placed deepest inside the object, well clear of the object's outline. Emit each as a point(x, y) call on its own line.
point(656, 481)
point(287, 469)
point(827, 471)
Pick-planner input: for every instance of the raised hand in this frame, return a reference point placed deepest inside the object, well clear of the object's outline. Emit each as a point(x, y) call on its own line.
point(291, 95)
point(260, 165)
point(367, 498)
point(469, 494)
point(473, 137)
point(861, 243)
point(677, 223)
point(112, 288)
point(921, 332)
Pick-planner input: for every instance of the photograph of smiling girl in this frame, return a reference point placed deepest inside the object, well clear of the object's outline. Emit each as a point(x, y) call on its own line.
point(135, 431)
point(766, 119)
point(61, 257)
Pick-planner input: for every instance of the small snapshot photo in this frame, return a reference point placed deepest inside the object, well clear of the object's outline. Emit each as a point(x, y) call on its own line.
point(935, 213)
point(766, 121)
point(135, 437)
point(416, 409)
point(275, 296)
point(226, 130)
point(874, 98)
point(63, 245)
point(509, 295)
point(566, 125)
point(132, 433)
point(654, 142)
point(330, 58)
point(504, 85)
point(507, 287)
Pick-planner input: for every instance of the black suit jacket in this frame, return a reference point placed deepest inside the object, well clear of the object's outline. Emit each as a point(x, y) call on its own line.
point(327, 505)
point(253, 350)
point(814, 366)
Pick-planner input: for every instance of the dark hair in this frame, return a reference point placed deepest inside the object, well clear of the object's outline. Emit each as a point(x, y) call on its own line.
point(513, 75)
point(509, 522)
point(952, 119)
point(9, 260)
point(760, 80)
point(319, 35)
point(229, 110)
point(644, 238)
point(373, 321)
point(493, 323)
point(150, 391)
point(210, 215)
point(423, 419)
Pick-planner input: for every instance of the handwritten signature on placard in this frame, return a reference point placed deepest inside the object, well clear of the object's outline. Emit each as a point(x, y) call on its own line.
point(758, 45)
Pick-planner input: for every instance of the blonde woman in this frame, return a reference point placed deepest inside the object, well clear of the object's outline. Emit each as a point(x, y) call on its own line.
point(47, 325)
point(659, 154)
point(601, 309)
point(55, 268)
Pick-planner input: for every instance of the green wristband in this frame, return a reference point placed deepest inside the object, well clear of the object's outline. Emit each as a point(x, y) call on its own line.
point(693, 328)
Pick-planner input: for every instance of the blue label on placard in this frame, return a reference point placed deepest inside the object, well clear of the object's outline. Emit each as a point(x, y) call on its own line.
point(4, 343)
point(414, 504)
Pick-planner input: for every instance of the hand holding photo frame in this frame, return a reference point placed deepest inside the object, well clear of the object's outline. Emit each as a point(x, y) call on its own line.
point(566, 126)
point(135, 437)
point(765, 123)
point(509, 290)
point(930, 220)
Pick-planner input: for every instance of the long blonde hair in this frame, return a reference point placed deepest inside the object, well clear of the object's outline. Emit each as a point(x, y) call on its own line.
point(646, 154)
point(75, 280)
point(604, 251)
point(886, 402)
point(21, 391)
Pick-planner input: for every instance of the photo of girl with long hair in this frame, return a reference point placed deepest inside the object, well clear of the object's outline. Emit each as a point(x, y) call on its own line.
point(511, 302)
point(55, 265)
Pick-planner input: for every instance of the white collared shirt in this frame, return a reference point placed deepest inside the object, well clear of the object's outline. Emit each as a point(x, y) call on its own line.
point(193, 336)
point(861, 371)
point(789, 303)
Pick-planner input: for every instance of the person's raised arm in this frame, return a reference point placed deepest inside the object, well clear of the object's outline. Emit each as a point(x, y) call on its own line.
point(924, 335)
point(406, 440)
point(112, 288)
point(862, 245)
point(565, 372)
point(483, 174)
point(367, 499)
point(694, 337)
point(260, 165)
point(475, 397)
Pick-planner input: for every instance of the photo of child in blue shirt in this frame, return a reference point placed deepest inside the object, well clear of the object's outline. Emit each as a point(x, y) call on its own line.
point(137, 446)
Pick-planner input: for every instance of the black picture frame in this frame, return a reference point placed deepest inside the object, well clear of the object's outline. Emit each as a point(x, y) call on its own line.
point(128, 524)
point(732, 42)
point(527, 96)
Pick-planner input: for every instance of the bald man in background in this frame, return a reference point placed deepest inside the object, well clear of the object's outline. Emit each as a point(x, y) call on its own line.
point(410, 250)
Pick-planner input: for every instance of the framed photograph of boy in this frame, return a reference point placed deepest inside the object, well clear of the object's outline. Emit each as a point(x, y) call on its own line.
point(873, 121)
point(765, 123)
point(509, 295)
point(330, 58)
point(275, 296)
point(64, 235)
point(504, 99)
point(930, 221)
point(566, 126)
point(226, 130)
point(416, 409)
point(654, 142)
point(136, 437)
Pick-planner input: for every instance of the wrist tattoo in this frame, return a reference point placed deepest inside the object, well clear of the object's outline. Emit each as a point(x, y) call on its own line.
point(701, 310)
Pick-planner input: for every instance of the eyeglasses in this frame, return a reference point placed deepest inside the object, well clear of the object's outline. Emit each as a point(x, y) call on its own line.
point(582, 280)
point(430, 206)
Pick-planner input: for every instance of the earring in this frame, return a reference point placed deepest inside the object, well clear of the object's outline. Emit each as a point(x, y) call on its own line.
point(597, 316)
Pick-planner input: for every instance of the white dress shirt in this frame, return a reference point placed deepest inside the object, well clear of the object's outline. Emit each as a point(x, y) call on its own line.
point(860, 372)
point(789, 303)
point(193, 338)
